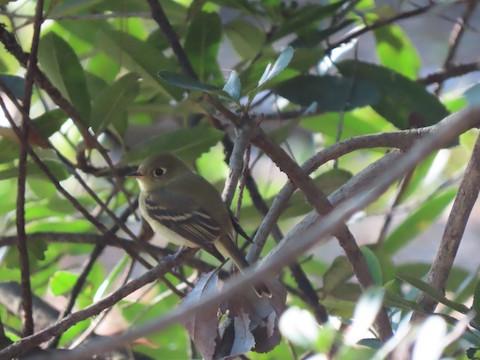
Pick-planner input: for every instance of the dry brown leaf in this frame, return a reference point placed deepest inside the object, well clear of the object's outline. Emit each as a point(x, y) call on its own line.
point(203, 327)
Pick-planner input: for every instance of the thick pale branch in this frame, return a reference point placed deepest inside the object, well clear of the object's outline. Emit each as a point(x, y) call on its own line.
point(319, 201)
point(398, 139)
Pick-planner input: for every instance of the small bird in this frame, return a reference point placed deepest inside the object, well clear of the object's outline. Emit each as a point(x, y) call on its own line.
point(186, 209)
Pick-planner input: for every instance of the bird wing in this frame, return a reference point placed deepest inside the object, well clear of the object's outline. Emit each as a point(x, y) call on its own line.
point(191, 223)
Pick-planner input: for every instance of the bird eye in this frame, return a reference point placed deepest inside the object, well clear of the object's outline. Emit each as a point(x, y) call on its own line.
point(159, 172)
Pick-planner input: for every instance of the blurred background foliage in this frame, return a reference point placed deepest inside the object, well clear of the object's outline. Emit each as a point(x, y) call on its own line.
point(312, 72)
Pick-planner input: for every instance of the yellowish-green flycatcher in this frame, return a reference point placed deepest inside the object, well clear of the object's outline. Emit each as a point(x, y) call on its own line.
point(186, 209)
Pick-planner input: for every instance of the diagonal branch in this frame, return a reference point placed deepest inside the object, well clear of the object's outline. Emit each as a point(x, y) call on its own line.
point(457, 221)
point(320, 203)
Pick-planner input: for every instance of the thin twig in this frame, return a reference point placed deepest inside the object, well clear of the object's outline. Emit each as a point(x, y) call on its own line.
point(27, 343)
point(380, 23)
point(161, 18)
point(95, 239)
point(22, 175)
point(450, 72)
point(456, 36)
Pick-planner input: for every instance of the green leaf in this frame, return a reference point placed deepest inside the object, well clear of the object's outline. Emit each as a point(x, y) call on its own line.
point(62, 282)
point(304, 17)
point(50, 122)
point(112, 103)
point(185, 82)
point(331, 93)
point(233, 87)
point(113, 276)
point(187, 143)
point(15, 84)
point(202, 44)
point(373, 265)
point(62, 66)
point(396, 51)
point(247, 39)
point(138, 57)
point(418, 221)
point(338, 273)
point(33, 170)
point(403, 102)
point(280, 64)
point(472, 94)
point(73, 7)
point(433, 293)
point(8, 151)
point(357, 122)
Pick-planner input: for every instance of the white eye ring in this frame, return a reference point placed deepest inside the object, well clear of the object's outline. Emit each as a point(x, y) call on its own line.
point(159, 172)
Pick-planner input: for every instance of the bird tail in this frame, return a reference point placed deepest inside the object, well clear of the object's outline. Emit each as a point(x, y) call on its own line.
point(227, 248)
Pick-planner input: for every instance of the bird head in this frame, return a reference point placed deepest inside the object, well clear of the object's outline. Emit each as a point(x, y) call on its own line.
point(158, 170)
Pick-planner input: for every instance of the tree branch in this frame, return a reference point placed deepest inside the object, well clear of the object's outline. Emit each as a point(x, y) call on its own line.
point(319, 201)
point(27, 302)
point(457, 221)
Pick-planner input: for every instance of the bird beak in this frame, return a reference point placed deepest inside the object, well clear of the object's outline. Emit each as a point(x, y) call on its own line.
point(135, 175)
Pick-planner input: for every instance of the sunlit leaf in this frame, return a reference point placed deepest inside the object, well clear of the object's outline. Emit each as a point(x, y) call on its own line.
point(396, 51)
point(138, 57)
point(373, 264)
point(62, 282)
point(299, 326)
point(62, 66)
point(112, 103)
point(280, 64)
point(430, 339)
point(365, 314)
point(247, 39)
point(202, 43)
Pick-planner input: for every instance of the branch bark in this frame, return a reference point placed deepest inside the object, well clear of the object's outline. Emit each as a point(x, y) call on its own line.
point(457, 221)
